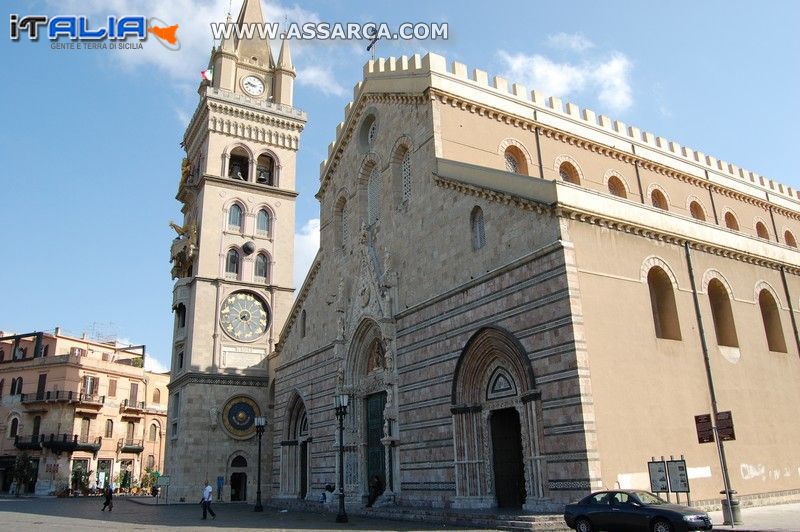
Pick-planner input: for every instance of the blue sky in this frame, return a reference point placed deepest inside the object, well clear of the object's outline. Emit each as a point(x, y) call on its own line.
point(89, 140)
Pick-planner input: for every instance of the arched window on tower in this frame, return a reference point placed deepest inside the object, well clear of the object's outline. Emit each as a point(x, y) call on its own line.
point(659, 200)
point(232, 264)
point(262, 268)
point(697, 211)
point(478, 228)
point(238, 164)
point(662, 300)
point(616, 187)
point(731, 222)
point(788, 238)
point(265, 170)
point(761, 230)
point(567, 172)
point(771, 317)
point(263, 223)
point(235, 218)
point(722, 314)
point(180, 315)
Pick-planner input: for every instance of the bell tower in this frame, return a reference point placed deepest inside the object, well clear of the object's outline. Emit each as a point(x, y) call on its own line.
point(232, 262)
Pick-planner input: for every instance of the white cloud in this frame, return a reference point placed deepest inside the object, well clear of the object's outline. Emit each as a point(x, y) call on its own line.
point(153, 364)
point(306, 245)
point(322, 79)
point(608, 80)
point(574, 42)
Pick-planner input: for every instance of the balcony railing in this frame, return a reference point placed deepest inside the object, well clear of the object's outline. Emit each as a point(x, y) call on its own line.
point(127, 445)
point(129, 405)
point(59, 443)
point(32, 442)
point(62, 395)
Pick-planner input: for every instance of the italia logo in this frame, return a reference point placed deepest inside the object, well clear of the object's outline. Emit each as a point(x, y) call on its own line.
point(80, 29)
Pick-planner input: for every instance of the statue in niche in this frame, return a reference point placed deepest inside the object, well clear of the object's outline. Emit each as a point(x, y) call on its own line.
point(387, 354)
point(376, 359)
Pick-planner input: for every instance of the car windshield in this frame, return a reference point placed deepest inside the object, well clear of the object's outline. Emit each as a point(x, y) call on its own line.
point(645, 497)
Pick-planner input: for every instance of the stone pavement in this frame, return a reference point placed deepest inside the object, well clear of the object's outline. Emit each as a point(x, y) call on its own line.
point(84, 513)
point(778, 518)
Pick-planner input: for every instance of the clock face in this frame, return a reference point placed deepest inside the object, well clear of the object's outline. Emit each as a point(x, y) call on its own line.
point(253, 86)
point(244, 317)
point(239, 415)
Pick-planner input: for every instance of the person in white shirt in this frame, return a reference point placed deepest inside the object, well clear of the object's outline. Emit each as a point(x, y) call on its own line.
point(206, 501)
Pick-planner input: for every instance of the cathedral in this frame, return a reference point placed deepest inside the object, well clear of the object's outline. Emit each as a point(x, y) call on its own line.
point(524, 301)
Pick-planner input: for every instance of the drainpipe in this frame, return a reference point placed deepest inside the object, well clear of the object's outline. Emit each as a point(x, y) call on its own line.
point(714, 410)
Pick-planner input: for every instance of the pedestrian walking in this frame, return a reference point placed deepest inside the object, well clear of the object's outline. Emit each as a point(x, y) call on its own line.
point(108, 501)
point(206, 501)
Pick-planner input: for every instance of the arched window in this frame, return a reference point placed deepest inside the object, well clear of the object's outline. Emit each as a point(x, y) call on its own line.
point(153, 436)
point(235, 218)
point(761, 230)
point(232, 264)
point(303, 323)
point(662, 300)
point(109, 428)
point(617, 187)
point(731, 222)
point(405, 176)
point(3, 351)
point(238, 164)
point(263, 223)
point(180, 360)
point(157, 396)
point(659, 200)
point(569, 173)
point(478, 229)
point(374, 186)
point(515, 160)
point(180, 315)
point(2, 386)
point(697, 212)
point(37, 426)
point(262, 268)
point(342, 225)
point(722, 313)
point(772, 321)
point(46, 350)
point(14, 428)
point(19, 386)
point(265, 170)
point(239, 461)
point(788, 237)
point(151, 461)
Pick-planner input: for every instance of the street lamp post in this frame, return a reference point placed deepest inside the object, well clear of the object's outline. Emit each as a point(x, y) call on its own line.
point(341, 401)
point(260, 423)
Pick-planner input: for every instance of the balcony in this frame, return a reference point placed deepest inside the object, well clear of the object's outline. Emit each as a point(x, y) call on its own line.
point(132, 407)
point(127, 445)
point(63, 396)
point(29, 443)
point(60, 443)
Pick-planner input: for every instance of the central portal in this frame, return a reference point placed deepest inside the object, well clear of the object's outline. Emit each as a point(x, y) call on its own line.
point(509, 480)
point(375, 449)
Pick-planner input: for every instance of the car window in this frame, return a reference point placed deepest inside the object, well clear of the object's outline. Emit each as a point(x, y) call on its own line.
point(620, 498)
point(600, 498)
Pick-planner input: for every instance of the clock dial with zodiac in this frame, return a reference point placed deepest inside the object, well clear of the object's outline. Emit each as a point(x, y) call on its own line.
point(244, 317)
point(239, 417)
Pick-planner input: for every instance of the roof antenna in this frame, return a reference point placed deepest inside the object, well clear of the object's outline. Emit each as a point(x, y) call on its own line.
point(229, 8)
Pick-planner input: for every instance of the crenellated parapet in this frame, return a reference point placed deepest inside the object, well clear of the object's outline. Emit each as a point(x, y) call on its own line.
point(432, 75)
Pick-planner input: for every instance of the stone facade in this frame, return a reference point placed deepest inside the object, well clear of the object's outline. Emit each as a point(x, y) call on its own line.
point(506, 287)
point(73, 403)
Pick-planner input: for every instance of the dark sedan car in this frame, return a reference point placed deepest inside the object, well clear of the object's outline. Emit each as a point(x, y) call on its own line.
point(632, 511)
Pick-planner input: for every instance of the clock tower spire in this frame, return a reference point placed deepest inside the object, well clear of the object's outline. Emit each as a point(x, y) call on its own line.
point(232, 262)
